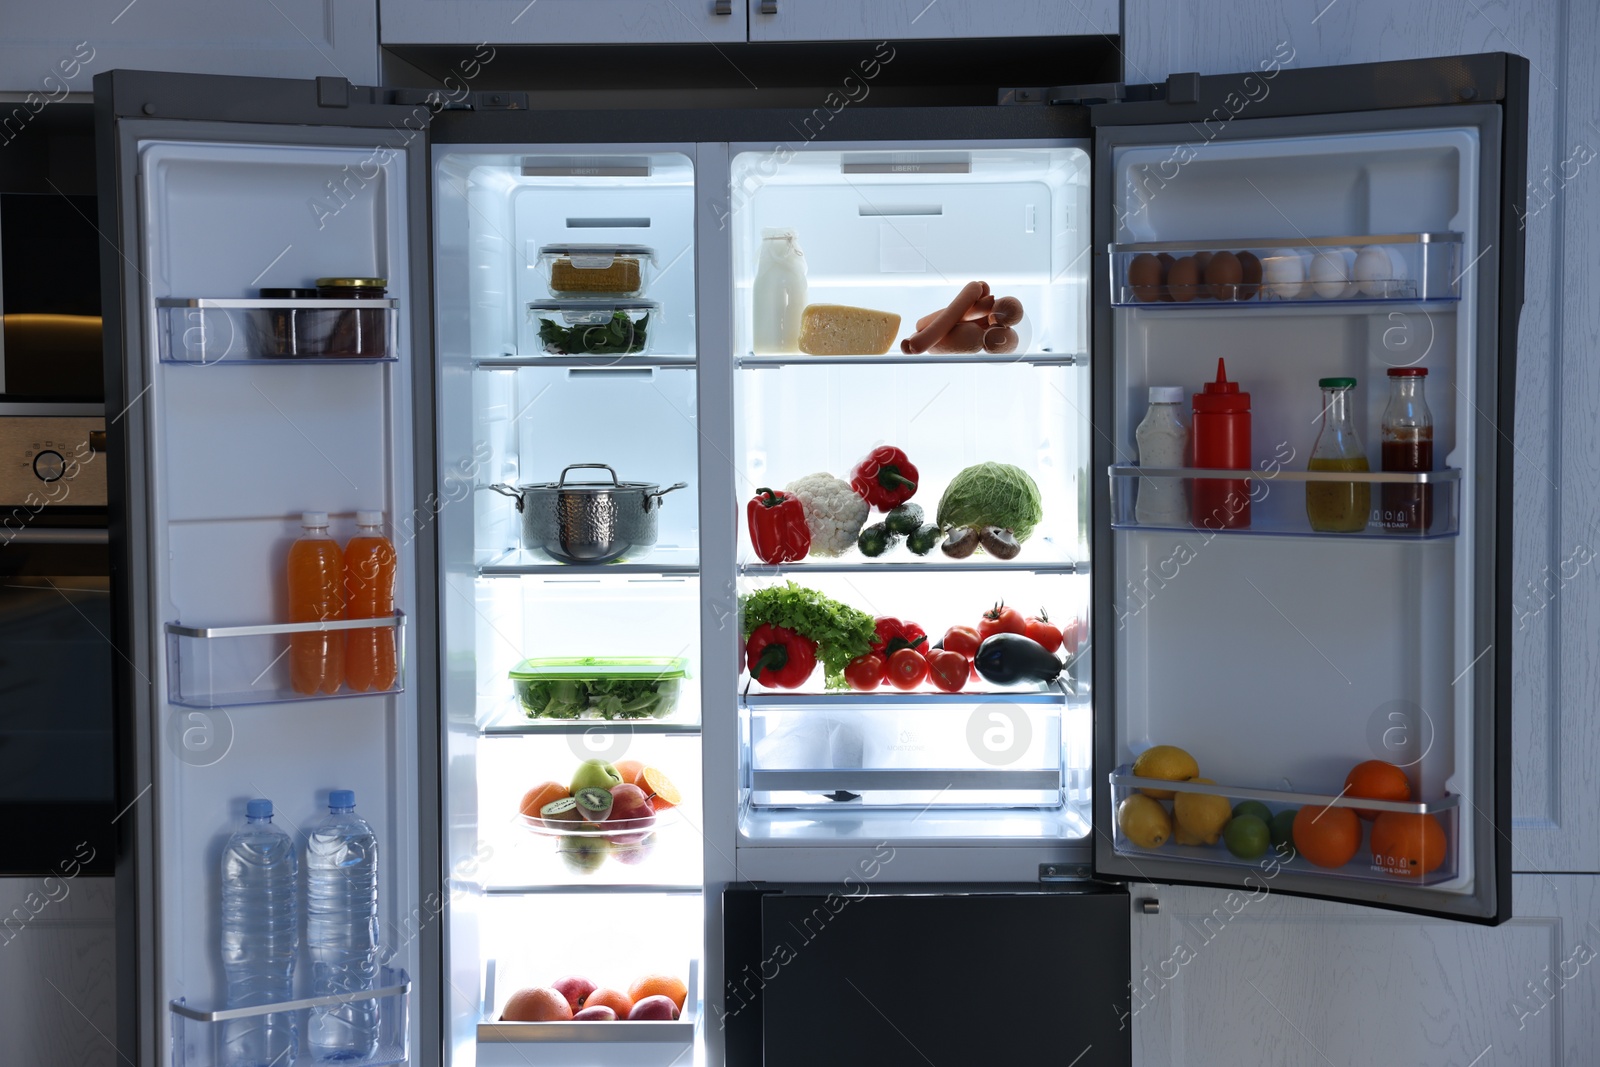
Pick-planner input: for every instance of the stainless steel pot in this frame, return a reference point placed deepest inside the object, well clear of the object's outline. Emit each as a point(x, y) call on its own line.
point(588, 522)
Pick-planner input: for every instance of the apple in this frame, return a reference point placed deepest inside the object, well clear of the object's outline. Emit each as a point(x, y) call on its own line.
point(575, 988)
point(597, 1014)
point(654, 1009)
point(635, 852)
point(584, 855)
point(630, 810)
point(594, 772)
point(543, 1005)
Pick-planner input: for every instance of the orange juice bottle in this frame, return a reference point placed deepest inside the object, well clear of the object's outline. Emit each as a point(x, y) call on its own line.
point(316, 574)
point(369, 568)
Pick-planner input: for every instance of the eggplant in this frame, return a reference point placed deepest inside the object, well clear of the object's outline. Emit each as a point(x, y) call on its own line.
point(1007, 659)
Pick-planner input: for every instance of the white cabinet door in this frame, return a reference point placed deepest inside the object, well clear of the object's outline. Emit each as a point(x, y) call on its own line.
point(1264, 980)
point(1555, 591)
point(876, 20)
point(51, 49)
point(562, 21)
point(57, 967)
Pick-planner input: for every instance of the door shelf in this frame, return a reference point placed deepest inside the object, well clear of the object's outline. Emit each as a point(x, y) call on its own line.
point(1362, 867)
point(751, 361)
point(229, 666)
point(679, 1033)
point(1277, 498)
point(1320, 272)
point(199, 1037)
point(203, 331)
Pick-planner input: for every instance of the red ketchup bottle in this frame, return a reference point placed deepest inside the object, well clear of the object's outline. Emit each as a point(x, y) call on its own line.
point(1221, 436)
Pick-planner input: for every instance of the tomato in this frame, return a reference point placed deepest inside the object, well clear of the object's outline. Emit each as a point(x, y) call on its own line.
point(865, 673)
point(893, 635)
point(948, 670)
point(1040, 629)
point(1072, 635)
point(907, 669)
point(962, 639)
point(1001, 620)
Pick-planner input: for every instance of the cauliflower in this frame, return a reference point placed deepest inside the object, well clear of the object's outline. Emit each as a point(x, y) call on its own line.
point(834, 513)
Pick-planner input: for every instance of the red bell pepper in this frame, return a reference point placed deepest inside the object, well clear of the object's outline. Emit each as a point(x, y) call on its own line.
point(778, 530)
point(885, 479)
point(780, 658)
point(893, 635)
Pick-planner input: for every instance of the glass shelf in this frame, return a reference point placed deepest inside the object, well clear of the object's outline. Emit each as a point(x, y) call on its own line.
point(1322, 272)
point(1283, 513)
point(643, 362)
point(1360, 868)
point(798, 359)
point(509, 720)
point(675, 1039)
point(933, 563)
point(658, 559)
point(833, 699)
point(199, 1036)
point(229, 666)
point(205, 332)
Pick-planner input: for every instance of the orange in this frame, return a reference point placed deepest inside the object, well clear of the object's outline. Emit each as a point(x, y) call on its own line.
point(1376, 780)
point(620, 1003)
point(534, 800)
point(1406, 844)
point(537, 1006)
point(663, 794)
point(664, 985)
point(1328, 837)
point(632, 772)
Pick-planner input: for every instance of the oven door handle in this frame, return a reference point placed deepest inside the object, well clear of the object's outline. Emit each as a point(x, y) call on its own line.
point(58, 535)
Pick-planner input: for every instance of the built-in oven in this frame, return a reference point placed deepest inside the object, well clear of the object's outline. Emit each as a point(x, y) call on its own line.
point(57, 745)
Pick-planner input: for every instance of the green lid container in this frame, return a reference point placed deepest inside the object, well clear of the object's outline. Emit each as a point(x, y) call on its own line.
point(599, 687)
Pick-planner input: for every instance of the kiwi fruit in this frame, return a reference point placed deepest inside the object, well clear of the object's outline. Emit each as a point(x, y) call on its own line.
point(594, 803)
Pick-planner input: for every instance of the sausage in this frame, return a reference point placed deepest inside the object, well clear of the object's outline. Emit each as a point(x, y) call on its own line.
point(926, 336)
point(978, 312)
point(963, 338)
point(1000, 340)
point(1007, 311)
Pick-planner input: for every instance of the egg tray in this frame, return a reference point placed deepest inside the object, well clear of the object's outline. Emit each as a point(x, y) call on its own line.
point(1306, 271)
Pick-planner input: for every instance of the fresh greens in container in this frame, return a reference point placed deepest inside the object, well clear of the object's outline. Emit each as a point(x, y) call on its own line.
point(594, 327)
point(599, 687)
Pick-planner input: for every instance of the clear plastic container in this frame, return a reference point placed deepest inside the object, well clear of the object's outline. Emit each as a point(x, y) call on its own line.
point(594, 327)
point(597, 269)
point(600, 687)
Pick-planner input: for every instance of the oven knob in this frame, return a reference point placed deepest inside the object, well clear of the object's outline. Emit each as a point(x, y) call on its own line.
point(49, 466)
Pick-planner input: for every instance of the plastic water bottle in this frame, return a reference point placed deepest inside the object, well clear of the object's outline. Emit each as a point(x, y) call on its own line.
point(260, 939)
point(342, 929)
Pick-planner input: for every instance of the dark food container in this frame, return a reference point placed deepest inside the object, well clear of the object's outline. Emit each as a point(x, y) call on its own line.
point(285, 331)
point(353, 333)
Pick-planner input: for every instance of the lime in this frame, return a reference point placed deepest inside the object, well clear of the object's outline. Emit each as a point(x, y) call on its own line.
point(1253, 807)
point(1247, 836)
point(1282, 827)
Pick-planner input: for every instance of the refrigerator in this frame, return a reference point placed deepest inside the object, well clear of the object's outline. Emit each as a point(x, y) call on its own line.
point(1277, 657)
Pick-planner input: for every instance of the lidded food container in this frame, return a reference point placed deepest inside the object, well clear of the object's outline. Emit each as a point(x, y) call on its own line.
point(594, 327)
point(599, 687)
point(354, 333)
point(597, 269)
point(283, 330)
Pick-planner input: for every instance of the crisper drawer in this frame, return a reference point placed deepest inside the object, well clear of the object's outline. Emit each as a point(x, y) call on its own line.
point(995, 751)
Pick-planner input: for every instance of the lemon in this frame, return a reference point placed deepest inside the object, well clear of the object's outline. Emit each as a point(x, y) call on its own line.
point(1201, 815)
point(1167, 762)
point(1144, 821)
point(1183, 836)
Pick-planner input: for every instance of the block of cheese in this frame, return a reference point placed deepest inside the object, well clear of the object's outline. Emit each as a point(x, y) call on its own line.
point(839, 330)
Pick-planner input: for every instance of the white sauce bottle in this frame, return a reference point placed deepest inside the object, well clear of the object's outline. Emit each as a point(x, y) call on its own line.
point(1163, 439)
point(779, 292)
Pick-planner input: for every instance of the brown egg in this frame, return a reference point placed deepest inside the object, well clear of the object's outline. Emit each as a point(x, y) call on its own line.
point(1144, 277)
point(1166, 272)
point(1223, 275)
point(1183, 280)
point(1202, 260)
point(1250, 267)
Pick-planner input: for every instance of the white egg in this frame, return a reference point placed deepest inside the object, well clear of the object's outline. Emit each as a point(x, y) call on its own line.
point(1330, 273)
point(1283, 273)
point(1379, 271)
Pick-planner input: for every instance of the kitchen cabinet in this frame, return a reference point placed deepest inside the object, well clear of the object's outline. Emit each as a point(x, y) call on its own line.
point(407, 22)
point(56, 951)
point(1260, 978)
point(1555, 591)
point(850, 20)
point(53, 49)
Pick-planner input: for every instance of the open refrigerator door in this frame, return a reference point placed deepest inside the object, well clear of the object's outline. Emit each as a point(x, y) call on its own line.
point(1304, 665)
point(268, 348)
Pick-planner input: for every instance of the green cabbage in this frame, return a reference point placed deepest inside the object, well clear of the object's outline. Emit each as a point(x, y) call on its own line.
point(992, 494)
